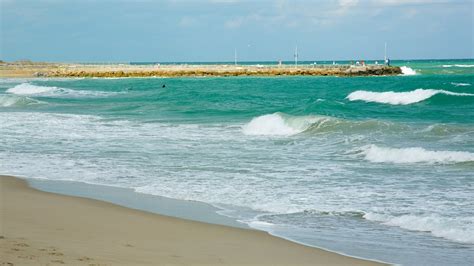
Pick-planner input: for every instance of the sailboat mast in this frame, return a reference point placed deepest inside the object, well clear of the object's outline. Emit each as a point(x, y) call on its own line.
point(296, 56)
point(235, 56)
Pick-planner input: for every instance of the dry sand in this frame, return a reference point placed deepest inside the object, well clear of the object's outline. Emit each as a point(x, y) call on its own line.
point(40, 228)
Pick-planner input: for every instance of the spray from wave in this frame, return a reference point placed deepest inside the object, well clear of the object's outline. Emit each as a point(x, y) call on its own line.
point(408, 71)
point(399, 98)
point(378, 154)
point(45, 91)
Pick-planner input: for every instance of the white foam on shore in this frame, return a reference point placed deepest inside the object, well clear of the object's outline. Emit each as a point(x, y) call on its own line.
point(408, 71)
point(378, 154)
point(399, 98)
point(455, 229)
point(45, 91)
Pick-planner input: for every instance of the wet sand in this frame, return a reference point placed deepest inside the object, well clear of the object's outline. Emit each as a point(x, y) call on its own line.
point(41, 228)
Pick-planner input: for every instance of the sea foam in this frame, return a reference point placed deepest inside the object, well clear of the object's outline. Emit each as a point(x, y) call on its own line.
point(378, 154)
point(399, 98)
point(455, 229)
point(408, 71)
point(46, 91)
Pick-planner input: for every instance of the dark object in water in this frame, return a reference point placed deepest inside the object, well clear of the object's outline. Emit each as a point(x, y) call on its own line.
point(164, 86)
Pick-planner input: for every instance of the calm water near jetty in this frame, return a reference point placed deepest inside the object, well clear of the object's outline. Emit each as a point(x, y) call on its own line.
point(374, 167)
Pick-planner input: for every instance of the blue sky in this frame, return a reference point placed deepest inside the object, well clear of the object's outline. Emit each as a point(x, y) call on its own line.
point(210, 30)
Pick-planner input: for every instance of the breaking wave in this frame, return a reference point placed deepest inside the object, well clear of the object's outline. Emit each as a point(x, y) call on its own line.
point(45, 91)
point(455, 229)
point(280, 124)
point(378, 154)
point(408, 71)
point(399, 98)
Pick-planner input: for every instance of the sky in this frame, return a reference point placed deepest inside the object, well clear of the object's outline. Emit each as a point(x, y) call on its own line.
point(212, 30)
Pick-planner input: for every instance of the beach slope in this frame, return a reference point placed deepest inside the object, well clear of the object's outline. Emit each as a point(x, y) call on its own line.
point(40, 228)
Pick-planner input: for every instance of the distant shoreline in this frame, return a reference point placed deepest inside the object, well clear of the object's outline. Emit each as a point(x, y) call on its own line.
point(33, 69)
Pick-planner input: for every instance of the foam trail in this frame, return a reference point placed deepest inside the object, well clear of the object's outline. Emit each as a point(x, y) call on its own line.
point(455, 229)
point(45, 91)
point(399, 98)
point(378, 154)
point(408, 71)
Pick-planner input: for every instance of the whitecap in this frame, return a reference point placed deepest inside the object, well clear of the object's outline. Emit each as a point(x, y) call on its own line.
point(378, 154)
point(399, 98)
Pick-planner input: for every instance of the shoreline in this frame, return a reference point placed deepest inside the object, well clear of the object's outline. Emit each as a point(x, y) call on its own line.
point(62, 70)
point(88, 231)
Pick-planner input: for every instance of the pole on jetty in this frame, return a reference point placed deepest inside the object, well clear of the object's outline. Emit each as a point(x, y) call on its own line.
point(296, 56)
point(385, 55)
point(235, 56)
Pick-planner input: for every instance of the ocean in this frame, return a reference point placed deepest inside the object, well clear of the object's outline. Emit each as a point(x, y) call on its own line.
point(373, 167)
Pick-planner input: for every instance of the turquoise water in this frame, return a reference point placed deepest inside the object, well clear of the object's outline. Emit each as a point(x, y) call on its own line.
point(375, 167)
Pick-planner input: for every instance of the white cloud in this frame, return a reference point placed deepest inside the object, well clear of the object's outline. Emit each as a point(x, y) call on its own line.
point(406, 2)
point(187, 22)
point(348, 3)
point(234, 23)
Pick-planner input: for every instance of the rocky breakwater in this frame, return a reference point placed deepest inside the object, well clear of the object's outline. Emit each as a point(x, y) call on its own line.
point(114, 71)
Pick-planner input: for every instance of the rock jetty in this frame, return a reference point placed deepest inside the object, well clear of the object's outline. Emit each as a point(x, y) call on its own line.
point(127, 70)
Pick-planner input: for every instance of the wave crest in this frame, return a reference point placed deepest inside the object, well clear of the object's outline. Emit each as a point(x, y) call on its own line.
point(378, 154)
point(399, 98)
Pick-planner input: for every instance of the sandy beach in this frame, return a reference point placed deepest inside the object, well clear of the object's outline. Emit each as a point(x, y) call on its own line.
point(40, 228)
